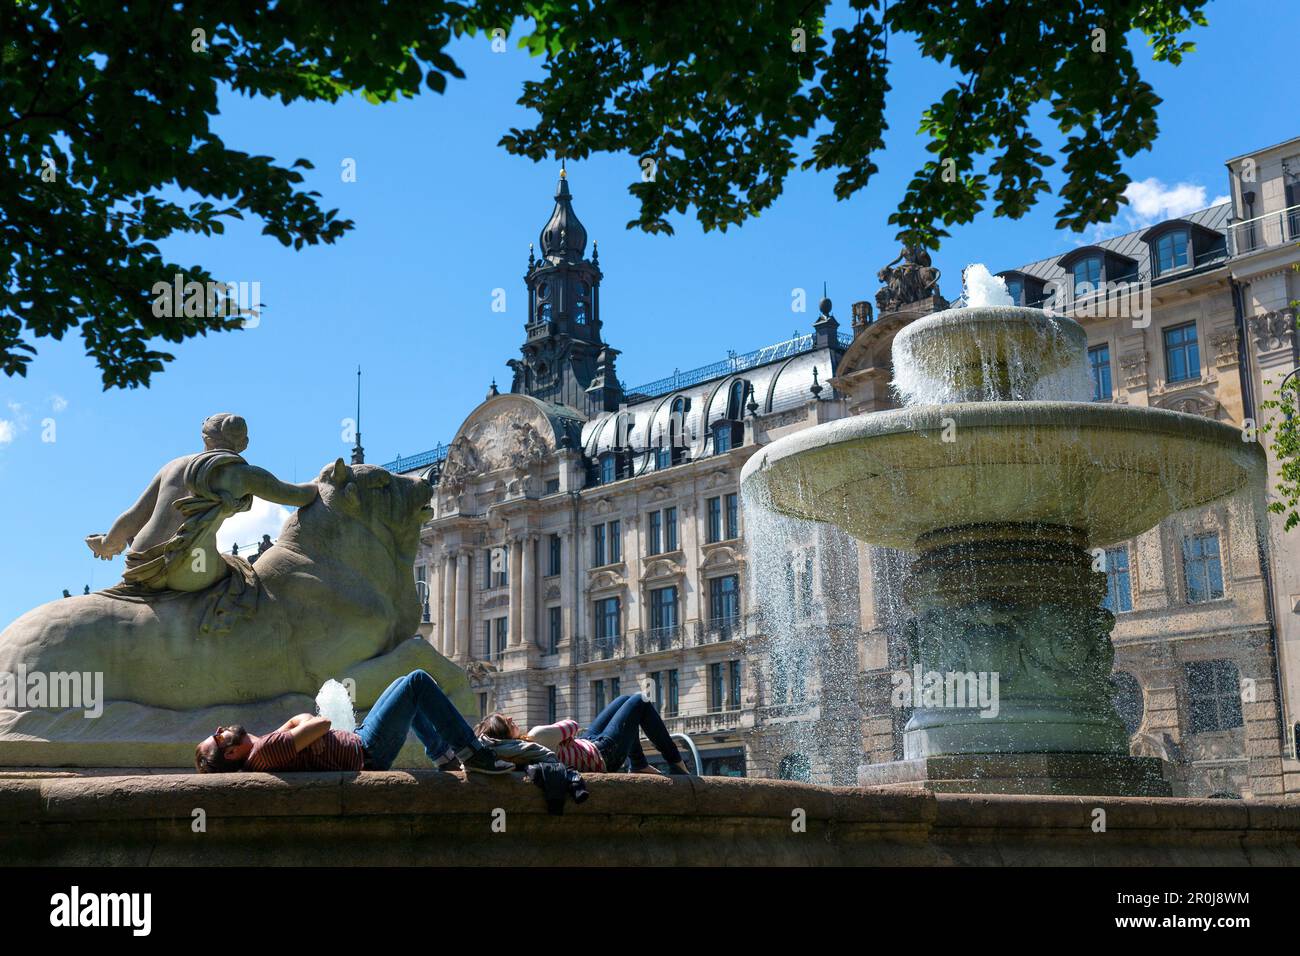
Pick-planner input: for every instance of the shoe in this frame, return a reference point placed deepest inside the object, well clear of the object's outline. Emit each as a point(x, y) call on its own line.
point(485, 761)
point(675, 771)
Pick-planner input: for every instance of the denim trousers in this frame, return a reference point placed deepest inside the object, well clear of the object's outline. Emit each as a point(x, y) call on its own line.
point(414, 702)
point(617, 729)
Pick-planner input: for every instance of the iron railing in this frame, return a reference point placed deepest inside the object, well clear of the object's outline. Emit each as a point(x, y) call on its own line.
point(600, 649)
point(656, 639)
point(430, 457)
point(731, 364)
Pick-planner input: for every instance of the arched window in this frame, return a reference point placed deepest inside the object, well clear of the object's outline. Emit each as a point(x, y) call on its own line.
point(795, 767)
point(736, 399)
point(1126, 695)
point(673, 438)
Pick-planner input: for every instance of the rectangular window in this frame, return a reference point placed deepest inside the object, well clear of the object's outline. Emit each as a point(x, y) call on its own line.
point(554, 628)
point(614, 687)
point(1213, 695)
point(733, 685)
point(503, 632)
point(671, 709)
point(656, 532)
point(487, 640)
point(608, 470)
point(552, 704)
point(733, 516)
point(597, 545)
point(1099, 366)
point(722, 437)
point(786, 678)
point(724, 601)
point(663, 612)
point(607, 622)
point(482, 706)
point(806, 585)
point(1087, 275)
point(1171, 251)
point(597, 698)
point(717, 698)
point(1182, 353)
point(1119, 594)
point(714, 512)
point(1202, 570)
point(670, 529)
point(553, 561)
point(663, 457)
point(496, 567)
point(615, 536)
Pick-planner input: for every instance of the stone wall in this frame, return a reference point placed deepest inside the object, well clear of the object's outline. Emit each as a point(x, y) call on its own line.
point(429, 818)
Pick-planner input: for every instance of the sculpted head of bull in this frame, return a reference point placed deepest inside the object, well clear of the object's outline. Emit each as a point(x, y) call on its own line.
point(333, 596)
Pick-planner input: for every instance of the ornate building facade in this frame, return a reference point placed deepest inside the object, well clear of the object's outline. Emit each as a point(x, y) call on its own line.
point(590, 539)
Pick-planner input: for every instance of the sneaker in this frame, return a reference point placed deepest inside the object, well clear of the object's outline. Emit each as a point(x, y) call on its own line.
point(485, 761)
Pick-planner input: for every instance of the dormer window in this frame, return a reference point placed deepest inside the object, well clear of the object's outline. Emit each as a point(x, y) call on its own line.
point(729, 432)
point(1171, 251)
point(1087, 275)
point(672, 439)
point(1024, 289)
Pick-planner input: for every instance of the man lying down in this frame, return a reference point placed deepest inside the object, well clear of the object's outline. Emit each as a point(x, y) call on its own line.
point(307, 742)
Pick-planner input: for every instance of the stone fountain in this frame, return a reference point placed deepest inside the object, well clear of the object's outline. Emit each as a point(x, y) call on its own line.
point(1005, 484)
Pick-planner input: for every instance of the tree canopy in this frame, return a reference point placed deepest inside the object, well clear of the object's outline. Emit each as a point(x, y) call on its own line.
point(106, 110)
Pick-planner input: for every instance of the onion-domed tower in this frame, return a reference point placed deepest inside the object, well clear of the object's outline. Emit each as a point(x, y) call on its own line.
point(564, 360)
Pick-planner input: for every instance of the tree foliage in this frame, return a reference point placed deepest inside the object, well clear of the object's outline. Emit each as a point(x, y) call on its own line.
point(719, 102)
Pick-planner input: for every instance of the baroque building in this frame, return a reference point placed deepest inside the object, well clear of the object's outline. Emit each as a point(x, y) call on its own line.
point(589, 539)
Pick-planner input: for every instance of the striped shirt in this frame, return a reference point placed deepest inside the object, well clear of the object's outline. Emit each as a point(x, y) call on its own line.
point(337, 750)
point(576, 753)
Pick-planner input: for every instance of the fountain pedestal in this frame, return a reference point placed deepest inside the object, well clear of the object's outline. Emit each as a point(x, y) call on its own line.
point(1011, 644)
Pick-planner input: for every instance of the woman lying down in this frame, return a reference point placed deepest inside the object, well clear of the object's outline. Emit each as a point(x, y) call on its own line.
point(613, 738)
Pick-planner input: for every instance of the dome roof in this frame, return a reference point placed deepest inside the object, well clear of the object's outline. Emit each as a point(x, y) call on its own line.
point(563, 237)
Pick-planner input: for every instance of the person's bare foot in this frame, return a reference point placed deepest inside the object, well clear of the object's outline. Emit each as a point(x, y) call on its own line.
point(649, 770)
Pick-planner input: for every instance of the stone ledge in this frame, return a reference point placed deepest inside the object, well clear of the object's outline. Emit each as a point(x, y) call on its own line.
point(430, 818)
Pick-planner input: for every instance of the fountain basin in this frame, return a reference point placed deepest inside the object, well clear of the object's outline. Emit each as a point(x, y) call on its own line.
point(1110, 471)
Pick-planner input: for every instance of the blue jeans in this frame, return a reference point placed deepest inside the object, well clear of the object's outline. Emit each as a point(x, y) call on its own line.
point(616, 732)
point(414, 702)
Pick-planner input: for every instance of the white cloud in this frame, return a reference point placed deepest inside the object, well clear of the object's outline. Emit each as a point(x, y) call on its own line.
point(1150, 200)
point(247, 527)
point(8, 431)
point(58, 402)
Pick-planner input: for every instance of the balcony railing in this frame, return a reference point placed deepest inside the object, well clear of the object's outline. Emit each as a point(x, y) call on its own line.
point(711, 723)
point(1264, 232)
point(600, 649)
point(732, 364)
point(656, 639)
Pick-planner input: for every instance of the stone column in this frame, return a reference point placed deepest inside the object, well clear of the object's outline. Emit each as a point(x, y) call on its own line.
point(447, 613)
point(462, 606)
point(528, 584)
point(516, 591)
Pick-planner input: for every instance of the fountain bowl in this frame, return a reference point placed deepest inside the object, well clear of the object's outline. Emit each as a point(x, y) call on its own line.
point(1110, 471)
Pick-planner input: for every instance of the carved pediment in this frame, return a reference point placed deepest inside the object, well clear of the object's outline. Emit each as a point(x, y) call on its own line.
point(721, 556)
point(1194, 403)
point(604, 506)
point(660, 493)
point(604, 580)
point(663, 568)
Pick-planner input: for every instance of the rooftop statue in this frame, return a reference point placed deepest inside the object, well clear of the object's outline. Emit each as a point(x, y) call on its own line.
point(909, 278)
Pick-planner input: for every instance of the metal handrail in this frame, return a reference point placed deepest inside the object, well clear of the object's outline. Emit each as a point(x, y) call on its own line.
point(432, 456)
point(733, 363)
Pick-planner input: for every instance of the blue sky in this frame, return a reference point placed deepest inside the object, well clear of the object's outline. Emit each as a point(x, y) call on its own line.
point(444, 216)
